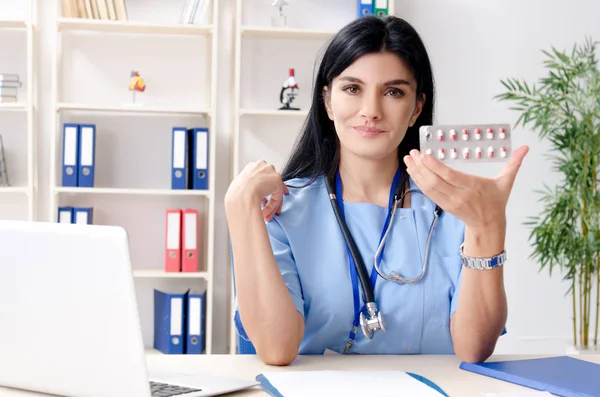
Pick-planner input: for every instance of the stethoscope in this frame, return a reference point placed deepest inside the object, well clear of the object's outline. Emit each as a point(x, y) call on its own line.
point(373, 320)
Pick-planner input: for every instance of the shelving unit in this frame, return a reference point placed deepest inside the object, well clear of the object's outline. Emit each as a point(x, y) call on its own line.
point(12, 24)
point(276, 113)
point(131, 109)
point(126, 201)
point(27, 26)
point(16, 107)
point(284, 33)
point(291, 38)
point(108, 26)
point(133, 192)
point(154, 273)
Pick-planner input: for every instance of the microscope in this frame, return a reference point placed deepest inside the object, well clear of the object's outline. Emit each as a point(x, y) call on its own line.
point(288, 92)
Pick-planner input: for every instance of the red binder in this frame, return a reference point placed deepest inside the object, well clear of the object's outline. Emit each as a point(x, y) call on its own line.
point(173, 240)
point(189, 261)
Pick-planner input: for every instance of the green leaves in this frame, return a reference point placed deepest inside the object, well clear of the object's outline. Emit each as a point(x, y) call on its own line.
point(564, 107)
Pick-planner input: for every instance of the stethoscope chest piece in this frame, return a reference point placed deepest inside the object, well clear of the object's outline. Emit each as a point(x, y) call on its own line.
point(373, 322)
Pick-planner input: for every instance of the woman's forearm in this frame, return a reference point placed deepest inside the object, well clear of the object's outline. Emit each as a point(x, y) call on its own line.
point(268, 312)
point(482, 310)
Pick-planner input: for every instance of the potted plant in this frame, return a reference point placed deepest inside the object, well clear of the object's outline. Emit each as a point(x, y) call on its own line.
point(564, 108)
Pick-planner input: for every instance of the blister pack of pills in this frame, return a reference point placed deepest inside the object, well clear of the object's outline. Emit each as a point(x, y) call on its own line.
point(467, 142)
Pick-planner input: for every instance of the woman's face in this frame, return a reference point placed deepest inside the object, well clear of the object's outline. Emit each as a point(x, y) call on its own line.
point(372, 103)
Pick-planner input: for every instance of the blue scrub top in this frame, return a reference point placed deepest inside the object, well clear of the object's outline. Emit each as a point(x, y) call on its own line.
point(311, 253)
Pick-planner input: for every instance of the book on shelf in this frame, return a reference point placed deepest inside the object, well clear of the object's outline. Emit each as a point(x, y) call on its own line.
point(181, 240)
point(113, 10)
point(9, 86)
point(180, 321)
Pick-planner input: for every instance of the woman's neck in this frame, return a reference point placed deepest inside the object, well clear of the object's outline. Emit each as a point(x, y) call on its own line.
point(365, 180)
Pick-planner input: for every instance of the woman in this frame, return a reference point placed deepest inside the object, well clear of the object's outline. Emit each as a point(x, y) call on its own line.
point(296, 285)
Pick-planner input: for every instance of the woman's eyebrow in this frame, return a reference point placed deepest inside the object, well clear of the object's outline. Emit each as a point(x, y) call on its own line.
point(387, 83)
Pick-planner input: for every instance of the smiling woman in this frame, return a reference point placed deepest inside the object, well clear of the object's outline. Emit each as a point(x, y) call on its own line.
point(297, 262)
point(374, 98)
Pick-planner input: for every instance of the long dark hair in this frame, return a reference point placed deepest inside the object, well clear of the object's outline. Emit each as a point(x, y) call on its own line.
point(316, 151)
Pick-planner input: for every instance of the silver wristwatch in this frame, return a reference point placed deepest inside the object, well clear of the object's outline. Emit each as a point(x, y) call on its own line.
point(482, 263)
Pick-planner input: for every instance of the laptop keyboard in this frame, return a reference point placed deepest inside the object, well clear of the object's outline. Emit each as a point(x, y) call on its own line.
point(165, 390)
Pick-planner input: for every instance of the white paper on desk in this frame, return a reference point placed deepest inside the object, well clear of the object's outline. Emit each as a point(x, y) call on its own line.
point(519, 394)
point(347, 383)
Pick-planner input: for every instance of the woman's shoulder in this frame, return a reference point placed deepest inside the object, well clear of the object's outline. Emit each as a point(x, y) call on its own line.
point(303, 191)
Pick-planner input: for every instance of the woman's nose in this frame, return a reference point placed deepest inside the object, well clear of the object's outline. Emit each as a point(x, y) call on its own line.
point(371, 107)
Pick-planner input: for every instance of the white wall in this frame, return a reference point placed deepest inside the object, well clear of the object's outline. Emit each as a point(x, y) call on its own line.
point(472, 44)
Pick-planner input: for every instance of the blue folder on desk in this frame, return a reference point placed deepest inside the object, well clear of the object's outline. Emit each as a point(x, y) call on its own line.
point(562, 376)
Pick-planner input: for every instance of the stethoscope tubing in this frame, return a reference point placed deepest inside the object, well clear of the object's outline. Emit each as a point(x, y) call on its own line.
point(361, 269)
point(394, 276)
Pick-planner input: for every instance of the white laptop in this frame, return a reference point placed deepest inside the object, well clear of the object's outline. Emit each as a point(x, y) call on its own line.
point(69, 321)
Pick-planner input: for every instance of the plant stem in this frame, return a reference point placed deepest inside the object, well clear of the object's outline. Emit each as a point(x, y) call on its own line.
point(586, 262)
point(597, 268)
point(597, 298)
point(574, 294)
point(587, 292)
point(580, 308)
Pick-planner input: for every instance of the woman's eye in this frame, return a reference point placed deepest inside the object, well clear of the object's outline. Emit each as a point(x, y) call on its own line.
point(395, 92)
point(352, 89)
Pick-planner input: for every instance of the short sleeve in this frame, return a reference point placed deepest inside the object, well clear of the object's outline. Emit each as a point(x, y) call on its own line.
point(287, 266)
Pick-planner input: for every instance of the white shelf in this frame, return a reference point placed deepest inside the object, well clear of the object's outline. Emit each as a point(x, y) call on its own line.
point(138, 27)
point(132, 192)
point(160, 273)
point(13, 106)
point(131, 109)
point(12, 24)
point(14, 190)
point(25, 24)
point(275, 113)
point(285, 33)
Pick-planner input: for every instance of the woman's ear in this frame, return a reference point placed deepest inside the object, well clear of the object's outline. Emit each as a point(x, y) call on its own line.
point(418, 110)
point(327, 101)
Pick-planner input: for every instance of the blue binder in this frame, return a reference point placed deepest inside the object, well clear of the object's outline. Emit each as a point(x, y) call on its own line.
point(70, 158)
point(179, 158)
point(169, 322)
point(195, 321)
point(83, 215)
point(364, 8)
point(199, 160)
point(87, 155)
point(65, 215)
point(562, 376)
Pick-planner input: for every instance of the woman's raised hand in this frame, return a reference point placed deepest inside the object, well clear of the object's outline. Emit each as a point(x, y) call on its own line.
point(258, 183)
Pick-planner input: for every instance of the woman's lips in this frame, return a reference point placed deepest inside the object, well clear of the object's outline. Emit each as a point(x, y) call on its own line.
point(368, 132)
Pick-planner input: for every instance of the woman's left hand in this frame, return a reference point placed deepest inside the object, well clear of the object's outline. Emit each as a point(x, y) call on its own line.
point(479, 202)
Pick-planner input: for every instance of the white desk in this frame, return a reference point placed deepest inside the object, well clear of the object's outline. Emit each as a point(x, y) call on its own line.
point(442, 370)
